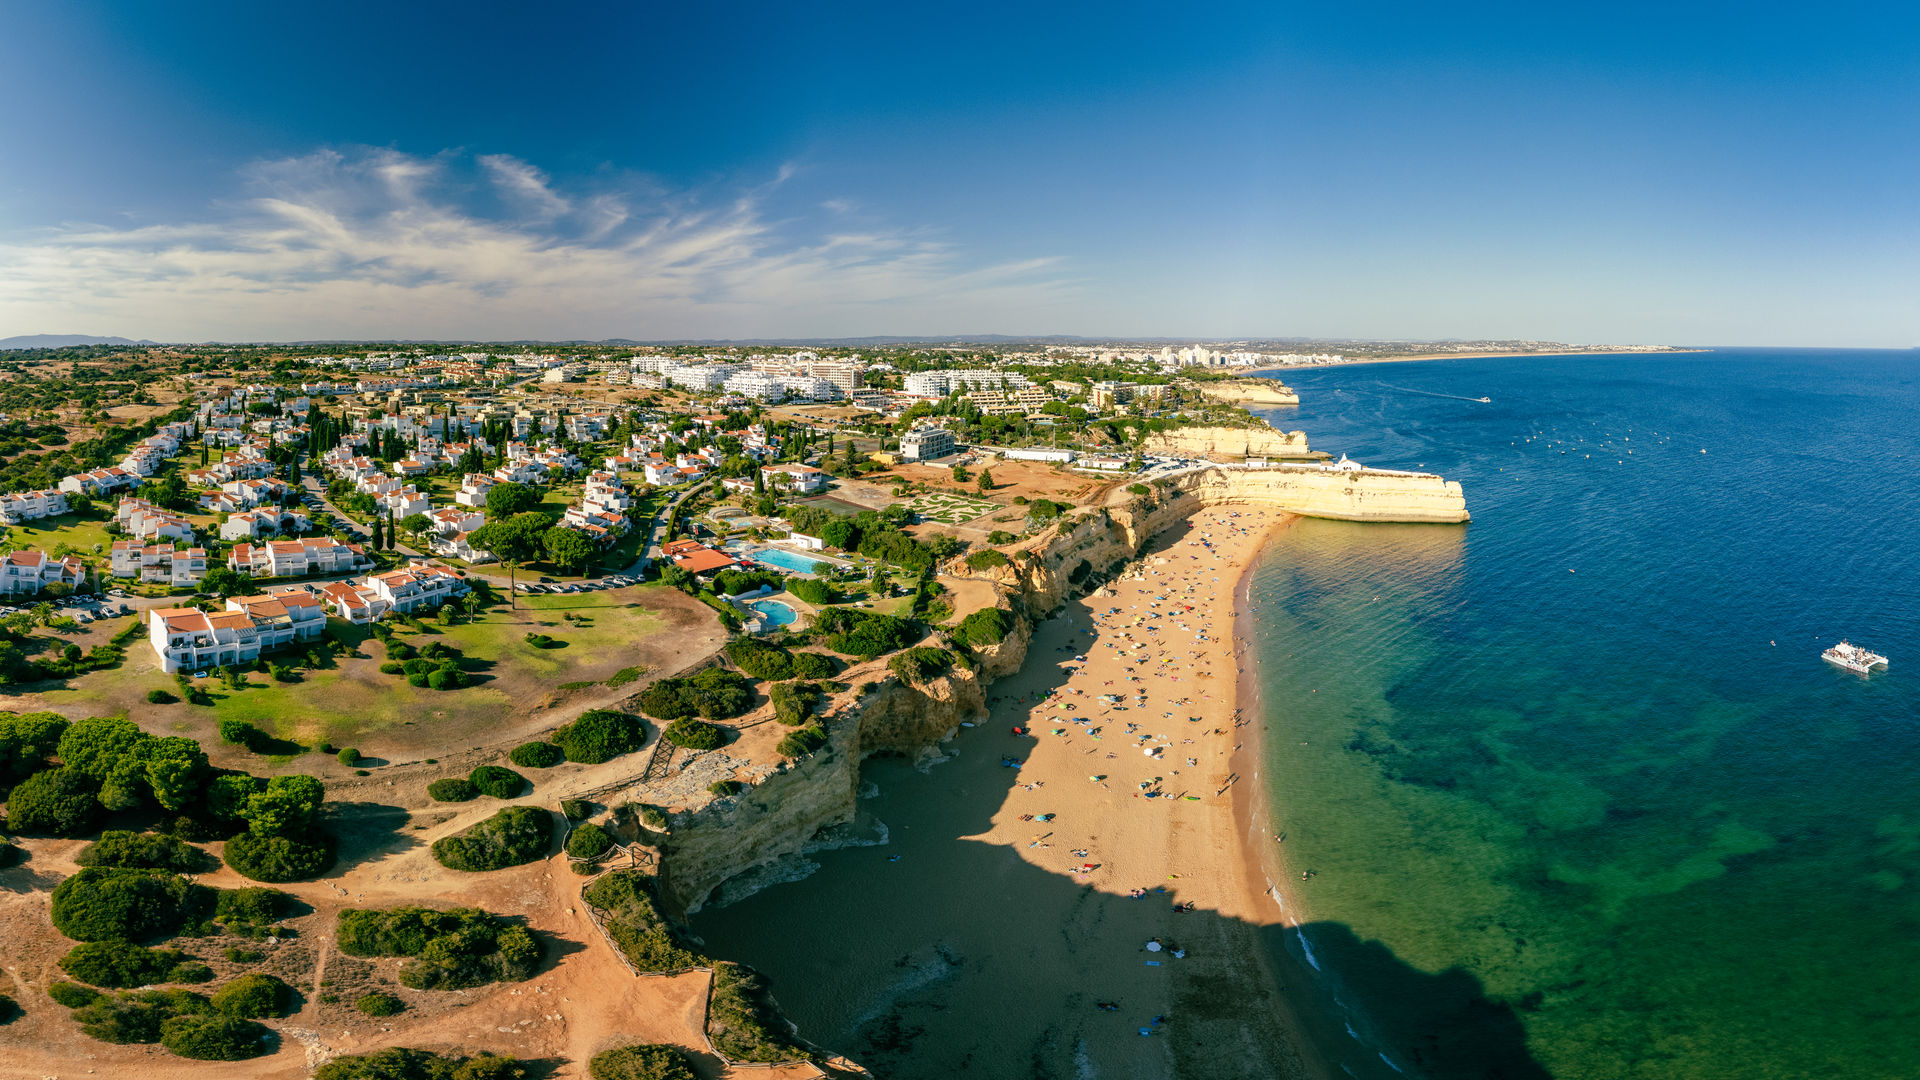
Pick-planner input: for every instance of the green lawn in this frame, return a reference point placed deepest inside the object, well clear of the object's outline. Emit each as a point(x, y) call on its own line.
point(47, 534)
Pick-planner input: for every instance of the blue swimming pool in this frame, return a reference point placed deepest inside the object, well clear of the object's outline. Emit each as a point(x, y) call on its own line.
point(774, 612)
point(785, 560)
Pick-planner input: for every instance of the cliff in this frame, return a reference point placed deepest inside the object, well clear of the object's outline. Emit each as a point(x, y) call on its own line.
point(1229, 443)
point(789, 805)
point(1256, 393)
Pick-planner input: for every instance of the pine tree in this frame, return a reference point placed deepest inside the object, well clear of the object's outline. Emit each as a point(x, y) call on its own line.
point(375, 542)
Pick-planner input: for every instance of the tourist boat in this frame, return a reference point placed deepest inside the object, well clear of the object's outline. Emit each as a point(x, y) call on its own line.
point(1854, 658)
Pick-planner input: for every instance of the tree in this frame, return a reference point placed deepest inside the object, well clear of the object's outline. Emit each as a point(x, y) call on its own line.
point(175, 768)
point(287, 806)
point(375, 542)
point(569, 547)
point(986, 480)
point(961, 475)
point(517, 538)
point(506, 500)
point(416, 524)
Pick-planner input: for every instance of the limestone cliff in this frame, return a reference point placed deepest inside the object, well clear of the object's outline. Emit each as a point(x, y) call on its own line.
point(1229, 443)
point(1256, 393)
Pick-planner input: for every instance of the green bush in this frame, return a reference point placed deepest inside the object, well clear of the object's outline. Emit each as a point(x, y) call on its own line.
point(501, 783)
point(1001, 536)
point(802, 742)
point(452, 789)
point(160, 697)
point(349, 757)
point(724, 788)
point(600, 735)
point(447, 950)
point(254, 996)
point(136, 1017)
point(215, 1038)
point(99, 904)
point(379, 1003)
point(988, 626)
point(741, 1021)
point(236, 955)
point(124, 965)
point(795, 702)
point(760, 659)
point(625, 900)
point(515, 835)
point(542, 641)
point(400, 1063)
point(537, 755)
point(918, 664)
point(625, 675)
point(864, 634)
point(654, 1061)
point(278, 859)
point(812, 665)
point(417, 680)
point(715, 694)
point(695, 734)
point(59, 802)
point(987, 560)
point(813, 590)
point(26, 739)
point(72, 995)
point(446, 678)
point(145, 851)
point(241, 733)
point(576, 808)
point(589, 842)
point(393, 667)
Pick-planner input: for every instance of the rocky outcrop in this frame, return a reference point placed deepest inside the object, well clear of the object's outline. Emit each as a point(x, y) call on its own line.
point(1258, 393)
point(1229, 443)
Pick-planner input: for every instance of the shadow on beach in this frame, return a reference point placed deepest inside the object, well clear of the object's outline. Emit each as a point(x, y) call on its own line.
point(935, 954)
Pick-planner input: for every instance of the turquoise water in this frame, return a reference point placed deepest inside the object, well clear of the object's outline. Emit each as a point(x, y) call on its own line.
point(785, 560)
point(1581, 758)
point(775, 612)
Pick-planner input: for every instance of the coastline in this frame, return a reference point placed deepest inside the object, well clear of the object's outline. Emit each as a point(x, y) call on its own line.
point(1491, 355)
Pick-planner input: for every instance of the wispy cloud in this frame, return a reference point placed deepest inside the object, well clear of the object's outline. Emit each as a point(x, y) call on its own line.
point(376, 243)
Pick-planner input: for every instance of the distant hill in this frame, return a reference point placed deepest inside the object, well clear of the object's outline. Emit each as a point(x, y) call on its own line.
point(63, 341)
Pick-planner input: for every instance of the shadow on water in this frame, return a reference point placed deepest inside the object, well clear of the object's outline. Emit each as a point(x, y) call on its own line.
point(934, 954)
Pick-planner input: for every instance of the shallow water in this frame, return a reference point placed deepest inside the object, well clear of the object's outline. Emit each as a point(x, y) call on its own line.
point(1582, 755)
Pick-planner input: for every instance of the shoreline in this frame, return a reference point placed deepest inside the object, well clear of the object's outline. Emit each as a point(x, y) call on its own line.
point(1487, 355)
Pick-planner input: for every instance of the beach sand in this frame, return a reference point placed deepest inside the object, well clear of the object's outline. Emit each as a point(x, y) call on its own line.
point(984, 936)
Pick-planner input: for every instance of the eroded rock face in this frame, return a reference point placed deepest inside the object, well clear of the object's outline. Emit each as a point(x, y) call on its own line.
point(1229, 443)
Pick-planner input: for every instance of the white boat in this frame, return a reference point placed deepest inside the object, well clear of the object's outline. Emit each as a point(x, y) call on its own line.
point(1854, 658)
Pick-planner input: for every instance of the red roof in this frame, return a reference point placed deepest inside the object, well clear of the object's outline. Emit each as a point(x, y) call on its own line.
point(699, 562)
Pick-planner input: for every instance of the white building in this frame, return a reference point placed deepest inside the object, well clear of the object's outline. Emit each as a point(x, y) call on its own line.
point(804, 479)
point(23, 506)
point(926, 444)
point(158, 563)
point(417, 587)
point(25, 573)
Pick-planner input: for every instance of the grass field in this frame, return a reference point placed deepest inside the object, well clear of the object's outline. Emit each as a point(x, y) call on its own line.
point(47, 534)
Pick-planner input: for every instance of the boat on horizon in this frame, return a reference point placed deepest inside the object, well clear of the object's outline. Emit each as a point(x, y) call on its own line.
point(1854, 658)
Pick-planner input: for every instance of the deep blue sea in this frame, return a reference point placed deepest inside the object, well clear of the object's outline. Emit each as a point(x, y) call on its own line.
point(1580, 796)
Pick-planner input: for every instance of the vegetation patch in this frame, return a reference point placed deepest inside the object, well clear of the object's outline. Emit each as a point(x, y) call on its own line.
point(124, 965)
point(254, 996)
point(813, 590)
point(515, 835)
point(918, 664)
point(600, 735)
point(126, 850)
point(715, 694)
point(589, 842)
point(862, 633)
point(654, 1061)
point(215, 1038)
point(695, 734)
point(99, 904)
point(987, 560)
point(988, 626)
point(447, 950)
point(380, 1003)
point(501, 783)
point(795, 702)
point(741, 1019)
point(452, 789)
point(537, 755)
point(400, 1063)
point(800, 743)
point(626, 904)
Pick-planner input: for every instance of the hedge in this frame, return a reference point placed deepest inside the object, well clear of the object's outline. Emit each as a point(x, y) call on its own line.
point(136, 1017)
point(515, 835)
point(124, 965)
point(625, 899)
point(499, 782)
point(600, 735)
point(537, 755)
point(457, 949)
point(215, 1038)
point(380, 1003)
point(254, 996)
point(714, 694)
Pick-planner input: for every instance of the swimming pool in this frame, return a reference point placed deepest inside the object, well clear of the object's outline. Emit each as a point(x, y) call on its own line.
point(784, 559)
point(774, 612)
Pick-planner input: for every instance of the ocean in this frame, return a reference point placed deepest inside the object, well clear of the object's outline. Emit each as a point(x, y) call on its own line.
point(1579, 796)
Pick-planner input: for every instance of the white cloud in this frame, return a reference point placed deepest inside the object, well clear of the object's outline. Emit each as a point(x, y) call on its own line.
point(375, 243)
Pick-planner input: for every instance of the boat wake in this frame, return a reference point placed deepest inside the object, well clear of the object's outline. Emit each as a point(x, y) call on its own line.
point(1430, 393)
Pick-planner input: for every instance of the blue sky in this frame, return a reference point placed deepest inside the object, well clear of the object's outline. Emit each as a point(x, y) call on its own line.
point(1619, 173)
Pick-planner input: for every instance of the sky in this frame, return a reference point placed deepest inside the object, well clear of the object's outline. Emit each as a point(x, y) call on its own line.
point(1619, 173)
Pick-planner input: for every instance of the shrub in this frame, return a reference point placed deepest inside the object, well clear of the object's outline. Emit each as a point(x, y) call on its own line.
point(393, 667)
point(127, 850)
point(795, 702)
point(812, 590)
point(760, 659)
point(9, 1010)
point(452, 789)
point(802, 742)
point(625, 900)
point(501, 783)
point(279, 858)
point(1139, 489)
point(537, 755)
point(349, 757)
point(741, 1021)
point(244, 956)
point(812, 665)
point(241, 733)
point(695, 734)
point(117, 963)
point(379, 1004)
point(714, 694)
point(988, 626)
point(654, 1061)
point(919, 664)
point(862, 633)
point(160, 697)
point(589, 842)
point(417, 680)
point(724, 788)
point(576, 808)
point(215, 1038)
point(515, 835)
point(136, 1017)
point(447, 950)
point(600, 735)
point(625, 675)
point(254, 996)
point(1001, 536)
point(252, 911)
point(446, 678)
point(401, 1063)
point(542, 641)
point(60, 802)
point(987, 560)
point(99, 904)
point(72, 995)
